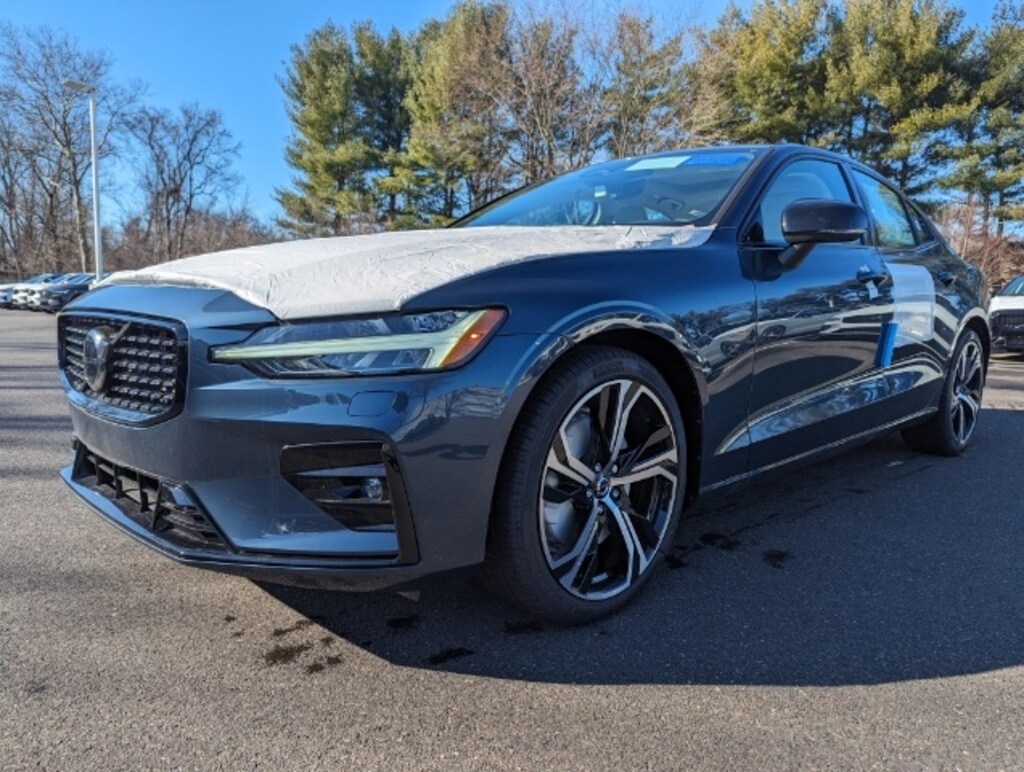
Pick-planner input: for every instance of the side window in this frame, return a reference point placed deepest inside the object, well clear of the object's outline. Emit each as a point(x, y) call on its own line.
point(801, 179)
point(892, 226)
point(923, 228)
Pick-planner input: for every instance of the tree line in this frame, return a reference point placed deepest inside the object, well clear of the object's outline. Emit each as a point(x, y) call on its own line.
point(179, 165)
point(402, 130)
point(395, 130)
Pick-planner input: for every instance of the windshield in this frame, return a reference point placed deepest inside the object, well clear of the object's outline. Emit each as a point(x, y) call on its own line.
point(1015, 287)
point(683, 188)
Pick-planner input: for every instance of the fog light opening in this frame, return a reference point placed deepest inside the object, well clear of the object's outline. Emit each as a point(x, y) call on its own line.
point(373, 489)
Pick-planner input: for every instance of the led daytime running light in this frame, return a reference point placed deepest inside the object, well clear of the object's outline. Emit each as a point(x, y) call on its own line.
point(447, 347)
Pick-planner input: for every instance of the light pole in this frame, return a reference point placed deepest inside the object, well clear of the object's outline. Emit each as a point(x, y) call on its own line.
point(97, 236)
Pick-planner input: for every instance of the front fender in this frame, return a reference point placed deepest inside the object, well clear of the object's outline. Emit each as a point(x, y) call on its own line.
point(598, 319)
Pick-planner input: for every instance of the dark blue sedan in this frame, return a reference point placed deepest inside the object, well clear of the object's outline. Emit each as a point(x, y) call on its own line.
point(542, 389)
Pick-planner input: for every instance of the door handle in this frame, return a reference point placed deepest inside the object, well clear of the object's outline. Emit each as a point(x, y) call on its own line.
point(947, 277)
point(877, 275)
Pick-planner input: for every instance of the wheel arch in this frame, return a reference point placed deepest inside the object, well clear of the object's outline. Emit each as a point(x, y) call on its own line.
point(978, 324)
point(662, 346)
point(677, 372)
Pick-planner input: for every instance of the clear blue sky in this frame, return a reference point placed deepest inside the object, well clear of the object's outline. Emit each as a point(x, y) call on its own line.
point(227, 54)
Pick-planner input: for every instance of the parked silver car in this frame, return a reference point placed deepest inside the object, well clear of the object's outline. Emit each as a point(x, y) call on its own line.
point(13, 295)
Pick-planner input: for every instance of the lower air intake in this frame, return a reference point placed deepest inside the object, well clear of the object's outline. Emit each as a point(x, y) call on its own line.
point(165, 508)
point(348, 482)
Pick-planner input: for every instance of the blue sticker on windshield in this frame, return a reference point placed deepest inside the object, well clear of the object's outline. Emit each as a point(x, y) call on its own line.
point(658, 162)
point(716, 159)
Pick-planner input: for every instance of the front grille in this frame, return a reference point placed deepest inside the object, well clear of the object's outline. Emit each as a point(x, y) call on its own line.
point(1007, 324)
point(165, 508)
point(145, 366)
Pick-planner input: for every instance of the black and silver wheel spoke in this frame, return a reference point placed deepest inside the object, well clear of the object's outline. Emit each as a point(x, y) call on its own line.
point(569, 568)
point(968, 377)
point(615, 403)
point(644, 528)
point(610, 485)
point(562, 460)
point(559, 491)
point(661, 465)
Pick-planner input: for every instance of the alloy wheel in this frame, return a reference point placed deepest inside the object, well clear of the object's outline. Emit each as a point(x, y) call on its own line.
point(968, 377)
point(608, 489)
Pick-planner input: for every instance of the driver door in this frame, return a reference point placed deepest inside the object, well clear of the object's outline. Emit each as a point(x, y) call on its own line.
point(815, 381)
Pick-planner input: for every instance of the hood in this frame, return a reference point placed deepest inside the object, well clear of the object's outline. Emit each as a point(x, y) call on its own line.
point(379, 272)
point(1006, 302)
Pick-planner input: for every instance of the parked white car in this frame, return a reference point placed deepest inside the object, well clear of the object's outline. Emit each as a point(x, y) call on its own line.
point(8, 291)
point(22, 294)
point(1006, 317)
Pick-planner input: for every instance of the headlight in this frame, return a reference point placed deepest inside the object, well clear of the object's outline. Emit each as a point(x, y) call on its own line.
point(394, 344)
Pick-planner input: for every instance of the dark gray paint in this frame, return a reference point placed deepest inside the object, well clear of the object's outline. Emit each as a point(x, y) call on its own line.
point(767, 372)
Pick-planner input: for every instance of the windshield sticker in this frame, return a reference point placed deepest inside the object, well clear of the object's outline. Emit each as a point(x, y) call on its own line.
point(717, 159)
point(661, 162)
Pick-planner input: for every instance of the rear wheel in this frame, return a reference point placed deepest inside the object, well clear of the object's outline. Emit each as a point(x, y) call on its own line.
point(590, 489)
point(949, 431)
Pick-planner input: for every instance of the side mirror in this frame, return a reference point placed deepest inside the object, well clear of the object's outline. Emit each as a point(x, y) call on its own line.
point(812, 221)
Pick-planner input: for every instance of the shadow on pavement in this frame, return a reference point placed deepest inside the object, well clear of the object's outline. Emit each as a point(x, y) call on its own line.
point(876, 566)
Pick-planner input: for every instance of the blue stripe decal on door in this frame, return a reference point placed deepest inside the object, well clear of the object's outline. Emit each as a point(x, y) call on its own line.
point(886, 343)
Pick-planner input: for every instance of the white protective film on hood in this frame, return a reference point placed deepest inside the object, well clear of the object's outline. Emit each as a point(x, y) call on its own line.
point(379, 272)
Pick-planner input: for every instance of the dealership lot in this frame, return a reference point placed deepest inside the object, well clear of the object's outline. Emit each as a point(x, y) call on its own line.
point(864, 612)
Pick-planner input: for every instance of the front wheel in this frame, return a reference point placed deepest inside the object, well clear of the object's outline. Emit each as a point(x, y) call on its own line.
point(949, 431)
point(590, 489)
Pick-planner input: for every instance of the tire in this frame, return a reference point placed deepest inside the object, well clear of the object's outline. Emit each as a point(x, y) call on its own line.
point(585, 510)
point(949, 431)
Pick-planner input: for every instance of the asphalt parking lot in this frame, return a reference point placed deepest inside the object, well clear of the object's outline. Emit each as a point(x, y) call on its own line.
point(866, 612)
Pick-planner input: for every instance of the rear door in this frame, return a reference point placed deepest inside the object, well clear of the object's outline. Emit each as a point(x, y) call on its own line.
point(816, 381)
point(925, 276)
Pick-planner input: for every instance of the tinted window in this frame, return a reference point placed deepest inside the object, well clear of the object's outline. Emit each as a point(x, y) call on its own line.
point(669, 189)
point(892, 227)
point(800, 179)
point(1015, 287)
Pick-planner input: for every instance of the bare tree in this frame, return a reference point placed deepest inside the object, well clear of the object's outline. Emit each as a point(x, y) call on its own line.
point(52, 124)
point(966, 224)
point(553, 98)
point(16, 204)
point(188, 162)
point(131, 244)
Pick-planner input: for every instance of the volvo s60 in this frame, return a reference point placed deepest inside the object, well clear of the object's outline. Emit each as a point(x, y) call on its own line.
point(542, 389)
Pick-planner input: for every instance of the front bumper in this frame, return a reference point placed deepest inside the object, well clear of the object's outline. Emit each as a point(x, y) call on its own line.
point(1007, 329)
point(442, 436)
point(296, 570)
point(50, 303)
point(1009, 342)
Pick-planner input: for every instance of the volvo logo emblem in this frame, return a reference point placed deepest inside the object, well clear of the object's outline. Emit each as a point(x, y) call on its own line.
point(96, 352)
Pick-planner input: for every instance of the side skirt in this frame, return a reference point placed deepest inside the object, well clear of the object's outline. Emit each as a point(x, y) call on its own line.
point(824, 450)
